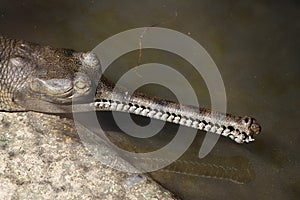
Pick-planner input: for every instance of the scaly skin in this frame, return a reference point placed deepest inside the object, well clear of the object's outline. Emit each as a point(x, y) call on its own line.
point(46, 79)
point(42, 78)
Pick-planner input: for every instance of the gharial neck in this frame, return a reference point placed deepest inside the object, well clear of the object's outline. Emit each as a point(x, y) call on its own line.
point(239, 129)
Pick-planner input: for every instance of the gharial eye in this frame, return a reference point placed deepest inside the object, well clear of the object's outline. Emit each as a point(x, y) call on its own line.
point(81, 84)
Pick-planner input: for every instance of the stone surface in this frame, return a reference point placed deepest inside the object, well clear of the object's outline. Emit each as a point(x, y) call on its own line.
point(40, 158)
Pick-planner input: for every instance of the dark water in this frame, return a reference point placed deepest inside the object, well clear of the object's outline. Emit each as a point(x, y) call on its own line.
point(255, 45)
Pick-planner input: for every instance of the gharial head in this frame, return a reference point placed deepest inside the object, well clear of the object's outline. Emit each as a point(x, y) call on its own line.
point(45, 79)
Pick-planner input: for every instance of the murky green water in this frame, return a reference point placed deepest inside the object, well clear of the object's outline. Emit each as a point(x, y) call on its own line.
point(255, 45)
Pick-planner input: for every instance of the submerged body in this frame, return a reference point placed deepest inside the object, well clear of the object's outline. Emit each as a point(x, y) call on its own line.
point(46, 79)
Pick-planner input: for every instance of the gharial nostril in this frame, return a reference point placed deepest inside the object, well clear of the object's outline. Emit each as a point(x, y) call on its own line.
point(256, 128)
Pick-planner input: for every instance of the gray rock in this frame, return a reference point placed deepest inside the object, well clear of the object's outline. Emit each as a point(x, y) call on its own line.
point(40, 159)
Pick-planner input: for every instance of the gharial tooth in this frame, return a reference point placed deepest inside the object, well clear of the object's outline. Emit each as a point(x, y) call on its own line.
point(138, 110)
point(219, 131)
point(119, 107)
point(151, 113)
point(195, 124)
point(132, 108)
point(158, 115)
point(182, 121)
point(106, 104)
point(189, 122)
point(226, 132)
point(241, 137)
point(201, 125)
point(236, 133)
point(249, 139)
point(164, 116)
point(238, 140)
point(126, 107)
point(145, 112)
point(207, 127)
point(99, 104)
point(170, 118)
point(114, 106)
point(176, 119)
point(213, 129)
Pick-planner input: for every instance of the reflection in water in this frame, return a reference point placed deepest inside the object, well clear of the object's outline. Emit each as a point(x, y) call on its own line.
point(219, 166)
point(236, 169)
point(255, 44)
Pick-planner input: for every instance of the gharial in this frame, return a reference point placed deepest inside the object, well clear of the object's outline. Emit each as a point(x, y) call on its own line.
point(46, 79)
